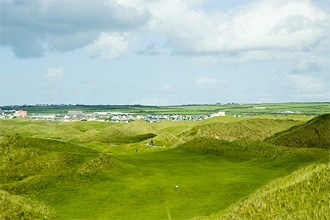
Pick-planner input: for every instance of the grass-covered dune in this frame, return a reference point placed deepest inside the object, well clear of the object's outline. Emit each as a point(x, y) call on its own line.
point(165, 133)
point(24, 158)
point(34, 170)
point(304, 194)
point(94, 170)
point(251, 150)
point(314, 133)
point(248, 129)
point(19, 207)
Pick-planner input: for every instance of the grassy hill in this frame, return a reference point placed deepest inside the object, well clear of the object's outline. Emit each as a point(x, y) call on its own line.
point(303, 194)
point(31, 166)
point(19, 207)
point(314, 133)
point(164, 133)
point(254, 150)
point(247, 129)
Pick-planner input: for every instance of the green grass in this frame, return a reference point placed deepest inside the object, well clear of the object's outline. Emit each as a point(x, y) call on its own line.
point(90, 170)
point(19, 207)
point(248, 150)
point(249, 129)
point(166, 133)
point(303, 194)
point(149, 189)
point(314, 133)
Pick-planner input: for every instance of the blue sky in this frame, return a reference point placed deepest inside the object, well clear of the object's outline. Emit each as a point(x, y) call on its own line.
point(156, 52)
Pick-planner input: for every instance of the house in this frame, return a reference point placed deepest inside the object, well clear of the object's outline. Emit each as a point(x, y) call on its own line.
point(20, 114)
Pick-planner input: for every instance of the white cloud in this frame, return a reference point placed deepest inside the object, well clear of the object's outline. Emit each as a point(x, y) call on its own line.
point(305, 84)
point(31, 28)
point(257, 30)
point(209, 83)
point(54, 74)
point(110, 45)
point(261, 27)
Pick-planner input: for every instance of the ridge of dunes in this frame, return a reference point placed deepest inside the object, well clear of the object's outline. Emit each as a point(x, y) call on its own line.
point(248, 129)
point(304, 194)
point(314, 133)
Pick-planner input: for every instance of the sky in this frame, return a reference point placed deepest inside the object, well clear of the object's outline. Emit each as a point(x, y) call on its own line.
point(156, 52)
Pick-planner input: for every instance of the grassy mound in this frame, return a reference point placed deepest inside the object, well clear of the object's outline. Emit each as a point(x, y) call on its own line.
point(314, 133)
point(305, 194)
point(19, 207)
point(254, 150)
point(88, 132)
point(31, 164)
point(23, 157)
point(249, 129)
point(112, 134)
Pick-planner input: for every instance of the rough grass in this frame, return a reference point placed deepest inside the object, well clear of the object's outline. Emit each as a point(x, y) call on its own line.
point(248, 129)
point(98, 132)
point(23, 159)
point(19, 207)
point(305, 194)
point(314, 133)
point(247, 150)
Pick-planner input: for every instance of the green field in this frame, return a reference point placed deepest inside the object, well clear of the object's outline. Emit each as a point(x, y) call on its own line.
point(221, 168)
point(313, 108)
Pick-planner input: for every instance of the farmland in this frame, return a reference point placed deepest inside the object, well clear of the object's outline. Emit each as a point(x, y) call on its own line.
point(313, 108)
point(222, 167)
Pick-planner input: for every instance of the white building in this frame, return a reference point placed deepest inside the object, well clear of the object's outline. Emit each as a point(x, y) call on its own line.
point(218, 114)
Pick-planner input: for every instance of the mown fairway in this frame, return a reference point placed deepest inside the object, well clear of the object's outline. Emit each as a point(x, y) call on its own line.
point(206, 183)
point(88, 170)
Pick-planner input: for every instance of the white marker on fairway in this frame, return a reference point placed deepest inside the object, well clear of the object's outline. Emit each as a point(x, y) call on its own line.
point(176, 186)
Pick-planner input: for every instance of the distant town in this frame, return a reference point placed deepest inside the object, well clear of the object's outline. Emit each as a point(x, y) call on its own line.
point(104, 116)
point(128, 113)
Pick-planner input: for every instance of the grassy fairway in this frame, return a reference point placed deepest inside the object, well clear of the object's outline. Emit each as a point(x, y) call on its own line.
point(207, 183)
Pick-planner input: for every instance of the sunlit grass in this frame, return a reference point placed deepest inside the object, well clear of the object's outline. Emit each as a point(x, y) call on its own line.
point(95, 170)
point(305, 194)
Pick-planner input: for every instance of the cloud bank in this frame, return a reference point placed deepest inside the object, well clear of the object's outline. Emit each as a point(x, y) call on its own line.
point(32, 27)
point(257, 30)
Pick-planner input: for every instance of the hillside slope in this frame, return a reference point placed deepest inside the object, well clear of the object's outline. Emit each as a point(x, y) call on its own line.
point(33, 170)
point(314, 133)
point(305, 194)
point(23, 159)
point(254, 150)
point(249, 129)
point(165, 133)
point(19, 207)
